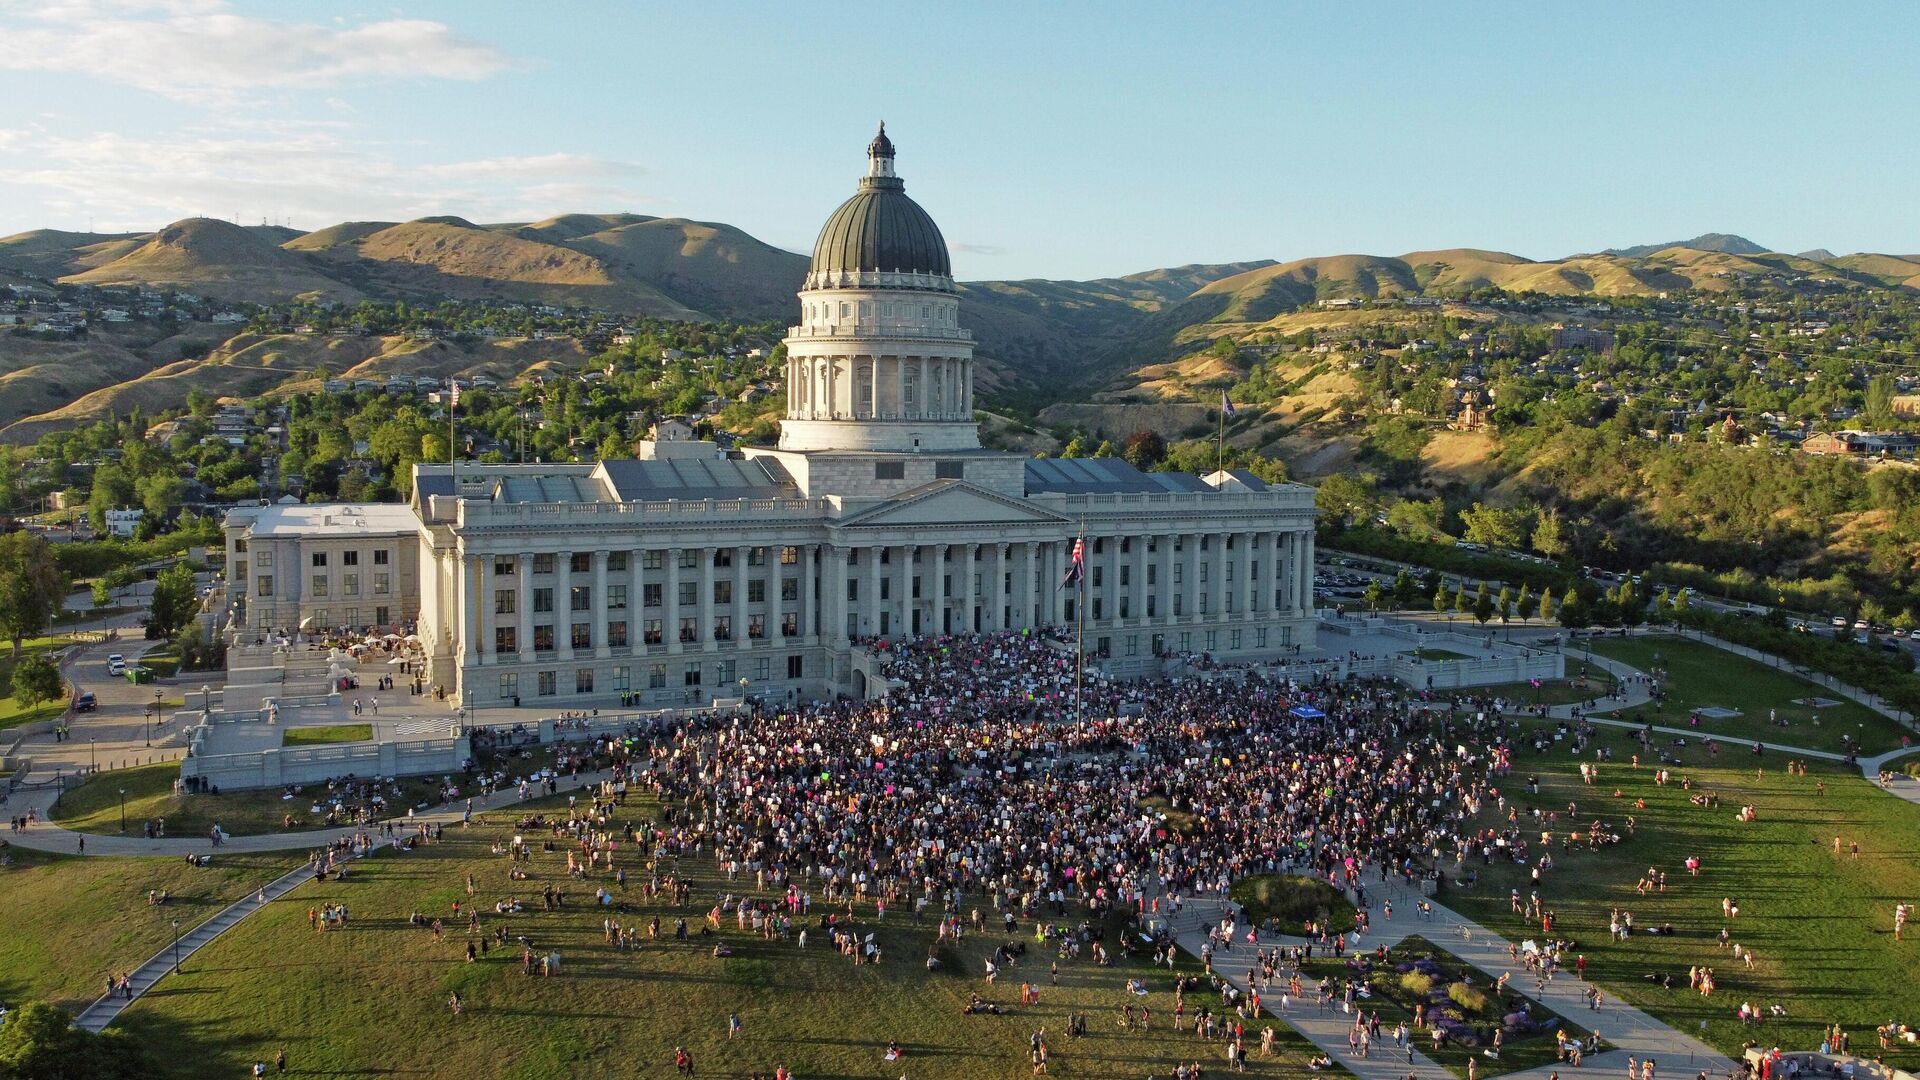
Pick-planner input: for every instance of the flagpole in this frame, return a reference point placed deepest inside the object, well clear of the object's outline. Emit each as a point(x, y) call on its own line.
point(1080, 634)
point(1220, 444)
point(453, 456)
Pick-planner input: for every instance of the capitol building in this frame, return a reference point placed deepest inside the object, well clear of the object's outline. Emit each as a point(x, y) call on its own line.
point(696, 573)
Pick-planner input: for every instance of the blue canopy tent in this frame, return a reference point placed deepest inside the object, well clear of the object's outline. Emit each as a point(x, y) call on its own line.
point(1307, 712)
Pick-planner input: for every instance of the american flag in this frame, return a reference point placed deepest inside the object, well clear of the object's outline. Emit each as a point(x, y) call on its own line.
point(453, 395)
point(1077, 569)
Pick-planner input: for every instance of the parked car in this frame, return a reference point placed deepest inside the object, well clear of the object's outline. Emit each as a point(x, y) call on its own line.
point(116, 664)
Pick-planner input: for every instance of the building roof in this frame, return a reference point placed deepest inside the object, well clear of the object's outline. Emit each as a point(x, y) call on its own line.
point(697, 478)
point(332, 519)
point(1101, 476)
point(881, 230)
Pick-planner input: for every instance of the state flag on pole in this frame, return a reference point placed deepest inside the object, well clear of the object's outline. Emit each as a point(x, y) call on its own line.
point(1226, 406)
point(1078, 567)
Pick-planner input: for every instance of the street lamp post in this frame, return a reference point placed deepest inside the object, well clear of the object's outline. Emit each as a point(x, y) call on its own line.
point(123, 810)
point(176, 946)
point(157, 699)
point(93, 761)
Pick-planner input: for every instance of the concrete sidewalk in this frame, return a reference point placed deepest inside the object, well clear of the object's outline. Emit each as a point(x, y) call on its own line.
point(1627, 1031)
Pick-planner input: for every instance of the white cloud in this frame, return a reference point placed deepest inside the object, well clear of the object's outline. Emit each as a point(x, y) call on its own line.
point(311, 177)
point(201, 51)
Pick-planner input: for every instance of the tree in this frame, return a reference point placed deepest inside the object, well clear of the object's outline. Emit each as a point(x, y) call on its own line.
point(39, 1042)
point(614, 448)
point(1417, 519)
point(1482, 608)
point(1546, 605)
point(1574, 613)
point(1440, 602)
point(1106, 449)
point(1405, 590)
point(1520, 601)
point(1460, 602)
point(1495, 526)
point(35, 680)
point(174, 599)
point(1076, 448)
point(1345, 498)
point(1375, 595)
point(112, 489)
point(1548, 536)
point(161, 494)
point(31, 584)
point(1145, 449)
point(102, 593)
point(1682, 604)
point(433, 448)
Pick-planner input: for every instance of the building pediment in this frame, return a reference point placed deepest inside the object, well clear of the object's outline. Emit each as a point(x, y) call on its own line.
point(952, 502)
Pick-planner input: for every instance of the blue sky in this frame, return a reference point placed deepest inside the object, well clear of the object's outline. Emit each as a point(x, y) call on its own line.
point(1049, 140)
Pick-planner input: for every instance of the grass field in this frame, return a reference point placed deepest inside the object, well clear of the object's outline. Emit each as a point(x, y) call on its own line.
point(1700, 676)
point(95, 805)
point(1821, 925)
point(12, 713)
point(317, 736)
point(372, 998)
point(70, 921)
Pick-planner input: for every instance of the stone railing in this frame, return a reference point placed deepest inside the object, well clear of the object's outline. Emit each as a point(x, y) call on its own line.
point(315, 764)
point(565, 515)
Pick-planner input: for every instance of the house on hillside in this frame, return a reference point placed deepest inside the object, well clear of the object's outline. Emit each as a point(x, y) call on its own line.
point(671, 429)
point(1863, 444)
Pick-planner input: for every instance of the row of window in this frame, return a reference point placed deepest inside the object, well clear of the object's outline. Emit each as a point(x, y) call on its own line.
point(347, 558)
point(321, 585)
point(581, 562)
point(506, 639)
point(694, 673)
point(652, 594)
point(350, 617)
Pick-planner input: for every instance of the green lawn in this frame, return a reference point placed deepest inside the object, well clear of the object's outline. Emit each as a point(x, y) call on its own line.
point(1568, 691)
point(12, 713)
point(95, 805)
point(1286, 903)
point(70, 921)
point(1700, 675)
point(163, 662)
point(1430, 985)
point(372, 998)
point(319, 736)
point(1438, 654)
point(1821, 925)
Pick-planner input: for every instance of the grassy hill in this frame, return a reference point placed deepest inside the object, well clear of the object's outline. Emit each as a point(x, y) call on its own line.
point(95, 381)
point(218, 258)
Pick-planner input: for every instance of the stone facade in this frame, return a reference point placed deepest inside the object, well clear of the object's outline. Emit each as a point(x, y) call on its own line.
point(696, 574)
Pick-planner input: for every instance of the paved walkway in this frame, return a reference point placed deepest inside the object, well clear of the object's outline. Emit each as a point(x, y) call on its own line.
point(1627, 1031)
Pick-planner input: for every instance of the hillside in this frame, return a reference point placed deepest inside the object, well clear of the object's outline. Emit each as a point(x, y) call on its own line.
point(707, 266)
point(1726, 243)
point(244, 366)
point(217, 258)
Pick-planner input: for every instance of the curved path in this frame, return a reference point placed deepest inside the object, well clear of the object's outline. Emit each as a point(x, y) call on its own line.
point(1628, 1031)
